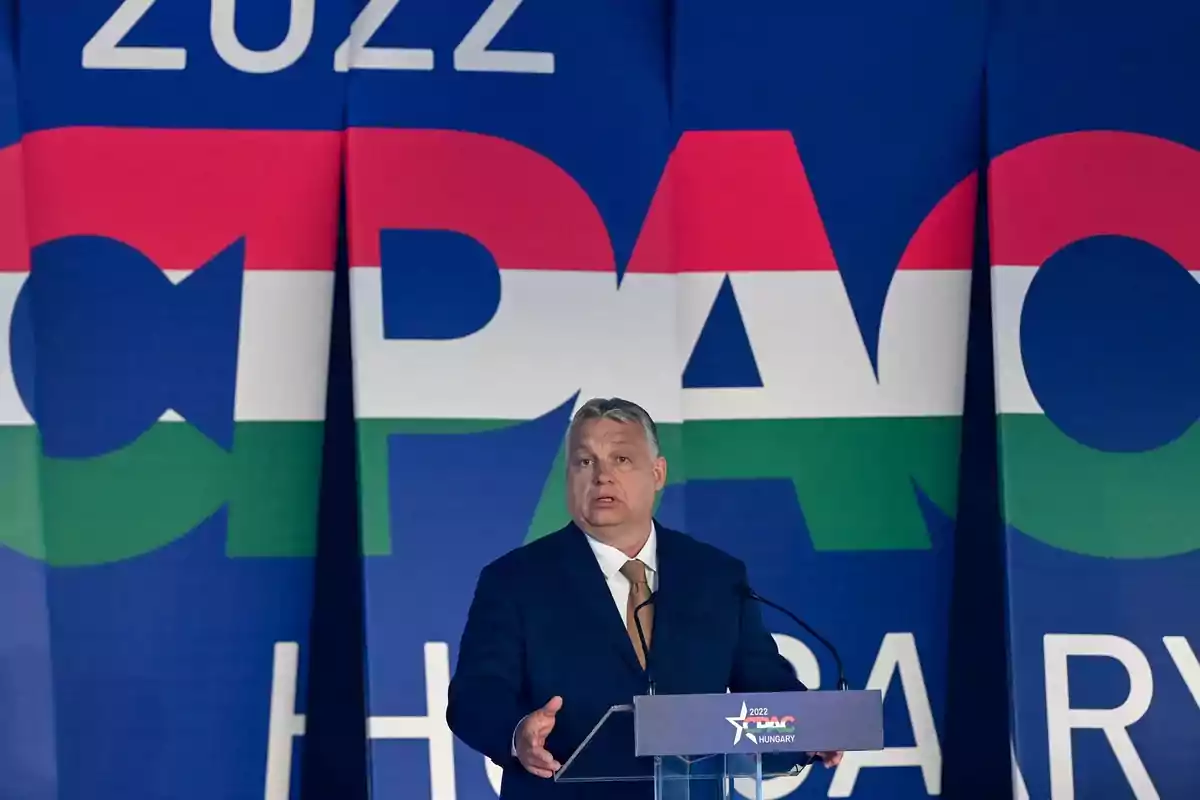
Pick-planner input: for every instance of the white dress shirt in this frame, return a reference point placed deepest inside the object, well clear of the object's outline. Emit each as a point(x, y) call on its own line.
point(611, 560)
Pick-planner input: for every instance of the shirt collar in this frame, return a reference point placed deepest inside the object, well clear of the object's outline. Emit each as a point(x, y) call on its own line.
point(611, 559)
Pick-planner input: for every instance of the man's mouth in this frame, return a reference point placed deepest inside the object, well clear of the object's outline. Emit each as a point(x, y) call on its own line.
point(605, 500)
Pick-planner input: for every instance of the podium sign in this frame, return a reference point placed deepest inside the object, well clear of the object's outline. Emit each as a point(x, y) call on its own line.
point(694, 746)
point(771, 722)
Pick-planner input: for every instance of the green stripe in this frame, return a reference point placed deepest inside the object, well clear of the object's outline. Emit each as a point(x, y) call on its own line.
point(854, 478)
point(1112, 505)
point(20, 502)
point(76, 512)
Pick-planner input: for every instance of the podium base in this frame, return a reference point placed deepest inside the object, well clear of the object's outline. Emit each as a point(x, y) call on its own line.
point(703, 779)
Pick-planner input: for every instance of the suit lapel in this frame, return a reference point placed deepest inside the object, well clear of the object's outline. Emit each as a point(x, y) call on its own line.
point(670, 600)
point(586, 585)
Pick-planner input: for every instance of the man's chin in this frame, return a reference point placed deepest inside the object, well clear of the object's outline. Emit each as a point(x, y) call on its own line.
point(605, 517)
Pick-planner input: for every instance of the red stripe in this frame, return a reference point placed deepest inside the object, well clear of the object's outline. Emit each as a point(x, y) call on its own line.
point(521, 206)
point(728, 201)
point(14, 251)
point(733, 201)
point(182, 196)
point(946, 238)
point(1046, 194)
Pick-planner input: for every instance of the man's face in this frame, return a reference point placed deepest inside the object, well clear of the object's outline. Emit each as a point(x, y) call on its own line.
point(612, 479)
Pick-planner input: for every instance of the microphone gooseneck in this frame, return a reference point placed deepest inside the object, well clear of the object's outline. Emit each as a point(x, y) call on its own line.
point(642, 636)
point(837, 659)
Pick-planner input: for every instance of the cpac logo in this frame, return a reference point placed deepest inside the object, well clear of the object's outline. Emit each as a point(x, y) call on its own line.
point(167, 329)
point(482, 271)
point(504, 272)
point(760, 727)
point(721, 251)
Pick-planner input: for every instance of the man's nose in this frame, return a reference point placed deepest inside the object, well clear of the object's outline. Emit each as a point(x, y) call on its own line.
point(601, 474)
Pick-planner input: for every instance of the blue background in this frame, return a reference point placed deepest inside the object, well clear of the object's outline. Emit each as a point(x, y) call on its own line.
point(1128, 311)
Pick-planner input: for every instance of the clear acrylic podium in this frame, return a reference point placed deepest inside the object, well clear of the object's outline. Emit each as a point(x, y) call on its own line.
point(693, 747)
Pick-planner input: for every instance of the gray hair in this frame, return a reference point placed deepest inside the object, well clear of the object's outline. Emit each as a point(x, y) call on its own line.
point(619, 410)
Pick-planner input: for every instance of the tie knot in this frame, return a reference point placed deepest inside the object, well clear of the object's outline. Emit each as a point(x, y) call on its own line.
point(634, 571)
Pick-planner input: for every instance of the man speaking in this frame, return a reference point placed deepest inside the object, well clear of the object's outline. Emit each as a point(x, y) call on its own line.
point(551, 643)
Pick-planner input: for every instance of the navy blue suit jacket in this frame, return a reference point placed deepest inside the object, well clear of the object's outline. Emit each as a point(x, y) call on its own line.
point(543, 623)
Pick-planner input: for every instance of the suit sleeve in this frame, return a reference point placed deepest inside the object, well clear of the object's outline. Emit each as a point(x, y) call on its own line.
point(485, 703)
point(757, 664)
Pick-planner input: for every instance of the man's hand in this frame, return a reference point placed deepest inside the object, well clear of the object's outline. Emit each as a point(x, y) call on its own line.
point(830, 759)
point(531, 740)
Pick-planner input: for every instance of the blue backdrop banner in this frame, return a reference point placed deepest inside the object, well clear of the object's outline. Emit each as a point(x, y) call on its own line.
point(669, 207)
point(162, 391)
point(1096, 315)
point(760, 220)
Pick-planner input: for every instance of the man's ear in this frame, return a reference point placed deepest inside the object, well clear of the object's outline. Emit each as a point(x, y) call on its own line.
point(660, 473)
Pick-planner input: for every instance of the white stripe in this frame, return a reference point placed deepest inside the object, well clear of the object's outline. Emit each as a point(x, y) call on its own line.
point(283, 345)
point(1010, 285)
point(556, 333)
point(12, 410)
point(283, 350)
point(813, 361)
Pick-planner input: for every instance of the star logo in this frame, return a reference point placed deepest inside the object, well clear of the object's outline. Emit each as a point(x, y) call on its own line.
point(741, 726)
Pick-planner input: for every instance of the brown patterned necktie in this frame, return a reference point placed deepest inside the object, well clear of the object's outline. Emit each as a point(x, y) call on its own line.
point(639, 591)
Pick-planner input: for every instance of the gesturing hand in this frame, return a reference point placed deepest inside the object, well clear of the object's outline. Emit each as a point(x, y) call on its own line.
point(531, 740)
point(831, 759)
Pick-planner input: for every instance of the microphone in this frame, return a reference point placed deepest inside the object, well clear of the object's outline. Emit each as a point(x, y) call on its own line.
point(642, 635)
point(750, 594)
